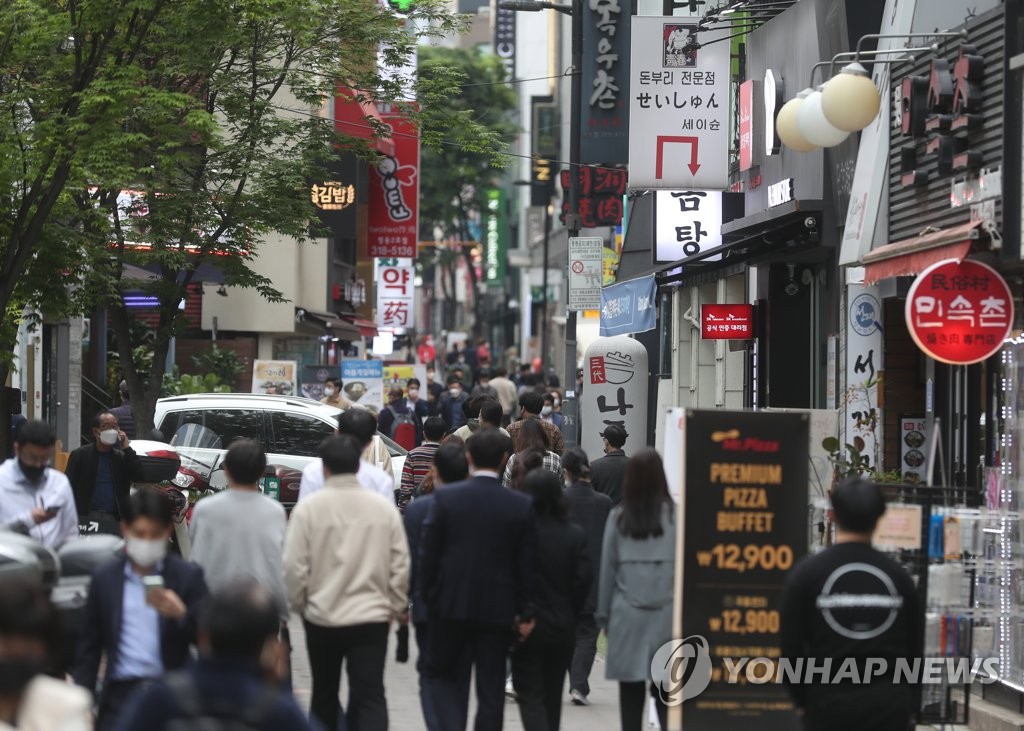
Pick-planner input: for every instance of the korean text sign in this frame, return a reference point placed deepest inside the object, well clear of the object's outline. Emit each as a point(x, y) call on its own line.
point(615, 386)
point(688, 223)
point(586, 272)
point(629, 307)
point(363, 382)
point(605, 136)
point(394, 191)
point(726, 322)
point(678, 106)
point(601, 192)
point(744, 528)
point(396, 288)
point(959, 313)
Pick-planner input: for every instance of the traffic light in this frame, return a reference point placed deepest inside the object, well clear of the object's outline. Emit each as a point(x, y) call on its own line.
point(402, 6)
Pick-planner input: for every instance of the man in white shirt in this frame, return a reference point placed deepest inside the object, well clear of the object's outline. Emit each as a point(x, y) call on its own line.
point(36, 499)
point(360, 424)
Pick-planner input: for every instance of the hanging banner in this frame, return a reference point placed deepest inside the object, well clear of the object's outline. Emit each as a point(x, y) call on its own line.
point(363, 382)
point(396, 290)
point(862, 423)
point(629, 307)
point(614, 392)
point(394, 191)
point(679, 103)
point(605, 123)
point(274, 377)
point(495, 238)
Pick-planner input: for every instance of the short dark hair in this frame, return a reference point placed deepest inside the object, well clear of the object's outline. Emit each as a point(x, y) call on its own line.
point(239, 619)
point(150, 503)
point(341, 454)
point(359, 423)
point(37, 433)
point(501, 371)
point(451, 464)
point(548, 398)
point(857, 504)
point(97, 418)
point(245, 461)
point(615, 435)
point(475, 404)
point(546, 490)
point(413, 382)
point(26, 611)
point(333, 381)
point(532, 401)
point(491, 413)
point(489, 448)
point(454, 379)
point(433, 428)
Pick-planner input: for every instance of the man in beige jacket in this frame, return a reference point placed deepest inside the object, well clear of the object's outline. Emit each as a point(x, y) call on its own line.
point(346, 565)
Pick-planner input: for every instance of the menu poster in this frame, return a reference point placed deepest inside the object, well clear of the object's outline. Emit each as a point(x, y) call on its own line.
point(913, 449)
point(744, 527)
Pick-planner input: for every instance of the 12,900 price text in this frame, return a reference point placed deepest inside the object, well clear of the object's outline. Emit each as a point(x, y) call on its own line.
point(732, 557)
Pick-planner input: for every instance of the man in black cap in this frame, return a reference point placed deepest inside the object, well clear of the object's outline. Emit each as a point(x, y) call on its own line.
point(607, 472)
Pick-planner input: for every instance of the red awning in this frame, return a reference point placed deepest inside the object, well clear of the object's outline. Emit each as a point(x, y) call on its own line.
point(351, 118)
point(366, 328)
point(914, 255)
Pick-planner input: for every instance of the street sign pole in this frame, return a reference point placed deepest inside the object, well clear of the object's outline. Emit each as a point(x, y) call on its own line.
point(570, 404)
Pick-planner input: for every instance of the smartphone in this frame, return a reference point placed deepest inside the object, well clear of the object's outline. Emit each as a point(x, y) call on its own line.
point(53, 509)
point(152, 581)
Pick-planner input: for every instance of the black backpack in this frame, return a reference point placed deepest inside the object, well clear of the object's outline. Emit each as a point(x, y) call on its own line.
point(199, 716)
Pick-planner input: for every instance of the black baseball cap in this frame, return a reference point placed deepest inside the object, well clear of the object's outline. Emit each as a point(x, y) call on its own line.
point(615, 435)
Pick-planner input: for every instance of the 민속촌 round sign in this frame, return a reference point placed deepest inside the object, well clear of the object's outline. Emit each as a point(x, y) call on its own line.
point(959, 313)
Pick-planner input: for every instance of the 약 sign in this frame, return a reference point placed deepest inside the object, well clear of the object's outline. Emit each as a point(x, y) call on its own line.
point(678, 107)
point(396, 288)
point(394, 182)
point(586, 273)
point(726, 322)
point(959, 313)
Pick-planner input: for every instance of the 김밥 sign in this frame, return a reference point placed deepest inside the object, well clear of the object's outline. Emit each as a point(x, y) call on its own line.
point(959, 313)
point(726, 322)
point(678, 106)
point(744, 528)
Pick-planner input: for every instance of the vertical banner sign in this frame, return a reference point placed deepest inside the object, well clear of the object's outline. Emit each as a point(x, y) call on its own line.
point(863, 417)
point(544, 139)
point(913, 448)
point(505, 38)
point(394, 182)
point(396, 289)
point(678, 107)
point(363, 382)
point(495, 239)
point(586, 273)
point(605, 124)
point(614, 392)
point(629, 307)
point(747, 125)
point(745, 526)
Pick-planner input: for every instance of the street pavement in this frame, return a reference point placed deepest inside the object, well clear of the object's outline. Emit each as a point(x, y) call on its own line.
point(402, 687)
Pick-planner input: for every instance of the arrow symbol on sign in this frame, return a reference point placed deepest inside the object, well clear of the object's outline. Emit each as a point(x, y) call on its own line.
point(663, 140)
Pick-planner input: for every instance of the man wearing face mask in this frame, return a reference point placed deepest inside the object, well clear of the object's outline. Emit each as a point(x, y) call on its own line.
point(548, 413)
point(451, 405)
point(334, 396)
point(141, 611)
point(434, 392)
point(36, 499)
point(101, 473)
point(417, 405)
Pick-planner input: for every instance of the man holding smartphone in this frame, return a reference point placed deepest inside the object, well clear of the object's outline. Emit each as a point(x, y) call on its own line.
point(101, 473)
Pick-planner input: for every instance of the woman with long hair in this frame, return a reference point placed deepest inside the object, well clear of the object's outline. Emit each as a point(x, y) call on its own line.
point(634, 603)
point(532, 437)
point(563, 579)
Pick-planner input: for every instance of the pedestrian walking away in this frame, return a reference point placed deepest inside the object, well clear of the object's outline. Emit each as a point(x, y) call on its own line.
point(589, 510)
point(637, 586)
point(879, 618)
point(532, 438)
point(141, 612)
point(507, 393)
point(361, 425)
point(607, 472)
point(101, 474)
point(123, 413)
point(346, 565)
point(419, 461)
point(540, 663)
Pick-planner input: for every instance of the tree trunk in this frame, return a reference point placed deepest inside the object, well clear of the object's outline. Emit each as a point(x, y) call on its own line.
point(467, 255)
point(5, 407)
point(144, 393)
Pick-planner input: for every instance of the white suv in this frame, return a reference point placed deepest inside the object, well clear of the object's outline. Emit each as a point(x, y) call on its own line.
point(202, 426)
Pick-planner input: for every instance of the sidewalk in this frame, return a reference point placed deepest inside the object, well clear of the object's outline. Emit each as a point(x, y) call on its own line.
point(402, 687)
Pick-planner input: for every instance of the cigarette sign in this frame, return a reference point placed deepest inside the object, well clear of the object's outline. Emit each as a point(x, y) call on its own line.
point(586, 272)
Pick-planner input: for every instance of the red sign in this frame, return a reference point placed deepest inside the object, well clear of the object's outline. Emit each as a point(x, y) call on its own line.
point(746, 125)
point(959, 313)
point(601, 192)
point(597, 374)
point(726, 322)
point(393, 209)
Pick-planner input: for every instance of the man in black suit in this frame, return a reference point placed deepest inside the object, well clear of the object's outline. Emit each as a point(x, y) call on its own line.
point(141, 610)
point(476, 569)
point(101, 473)
point(607, 472)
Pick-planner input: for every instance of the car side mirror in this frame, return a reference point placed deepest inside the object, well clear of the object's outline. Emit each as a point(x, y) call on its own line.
point(157, 436)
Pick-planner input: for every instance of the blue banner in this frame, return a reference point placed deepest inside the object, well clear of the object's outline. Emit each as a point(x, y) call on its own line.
point(629, 307)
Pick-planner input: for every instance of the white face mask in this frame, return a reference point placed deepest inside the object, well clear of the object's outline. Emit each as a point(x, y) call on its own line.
point(328, 392)
point(545, 411)
point(414, 393)
point(144, 552)
point(454, 392)
point(109, 437)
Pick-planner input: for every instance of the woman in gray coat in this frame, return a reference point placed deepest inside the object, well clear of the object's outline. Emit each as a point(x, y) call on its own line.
point(634, 604)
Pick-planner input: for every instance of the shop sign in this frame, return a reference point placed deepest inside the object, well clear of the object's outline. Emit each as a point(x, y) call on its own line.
point(747, 124)
point(774, 98)
point(986, 185)
point(586, 272)
point(614, 391)
point(959, 313)
point(862, 413)
point(780, 192)
point(495, 238)
point(396, 289)
point(394, 184)
point(629, 307)
point(274, 377)
point(605, 123)
point(363, 382)
point(726, 322)
point(601, 191)
point(505, 39)
point(744, 528)
point(544, 137)
point(679, 107)
point(332, 195)
point(687, 223)
point(913, 448)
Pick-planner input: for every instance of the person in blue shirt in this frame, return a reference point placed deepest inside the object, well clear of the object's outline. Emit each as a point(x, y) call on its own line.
point(236, 678)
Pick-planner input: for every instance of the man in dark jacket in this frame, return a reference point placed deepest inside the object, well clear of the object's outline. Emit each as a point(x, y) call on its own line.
point(141, 610)
point(477, 568)
point(101, 473)
point(124, 411)
point(607, 472)
point(450, 408)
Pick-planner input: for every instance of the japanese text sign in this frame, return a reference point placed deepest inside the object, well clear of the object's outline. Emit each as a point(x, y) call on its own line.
point(586, 273)
point(727, 322)
point(687, 223)
point(601, 190)
point(678, 106)
point(629, 307)
point(396, 287)
point(605, 123)
point(959, 313)
point(615, 387)
point(394, 182)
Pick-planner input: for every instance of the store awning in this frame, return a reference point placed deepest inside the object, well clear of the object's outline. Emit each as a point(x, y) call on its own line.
point(912, 256)
point(366, 328)
point(332, 324)
point(352, 118)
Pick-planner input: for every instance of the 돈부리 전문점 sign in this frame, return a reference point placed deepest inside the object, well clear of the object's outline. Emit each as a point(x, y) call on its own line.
point(959, 313)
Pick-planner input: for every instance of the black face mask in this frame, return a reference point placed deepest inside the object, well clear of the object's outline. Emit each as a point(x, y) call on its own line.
point(33, 472)
point(17, 673)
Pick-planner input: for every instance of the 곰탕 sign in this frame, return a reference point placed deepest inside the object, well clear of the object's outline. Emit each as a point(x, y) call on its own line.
point(959, 313)
point(394, 190)
point(727, 322)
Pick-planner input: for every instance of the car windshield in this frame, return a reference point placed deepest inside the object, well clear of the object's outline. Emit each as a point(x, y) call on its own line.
point(198, 436)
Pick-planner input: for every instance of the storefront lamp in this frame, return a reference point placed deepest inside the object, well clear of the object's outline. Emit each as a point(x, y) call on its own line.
point(814, 127)
point(850, 101)
point(787, 128)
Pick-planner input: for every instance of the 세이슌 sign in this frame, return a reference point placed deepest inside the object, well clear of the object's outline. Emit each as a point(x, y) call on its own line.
point(959, 313)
